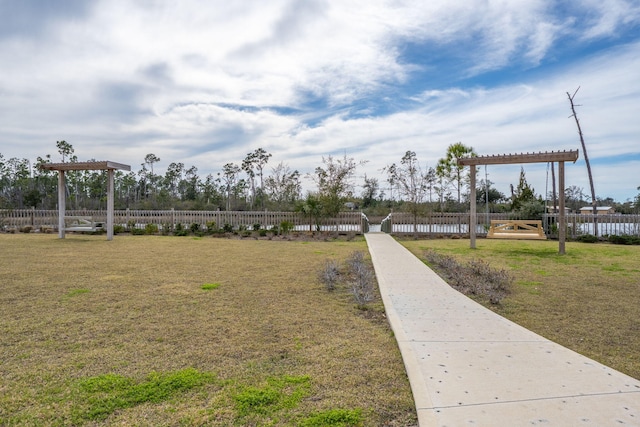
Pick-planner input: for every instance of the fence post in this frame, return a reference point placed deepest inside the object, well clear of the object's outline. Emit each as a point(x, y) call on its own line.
point(364, 223)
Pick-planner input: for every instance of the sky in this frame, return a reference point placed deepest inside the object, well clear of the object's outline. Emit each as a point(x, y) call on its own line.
point(205, 83)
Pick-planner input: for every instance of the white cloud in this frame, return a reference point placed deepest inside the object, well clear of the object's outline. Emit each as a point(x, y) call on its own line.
point(512, 119)
point(604, 19)
point(205, 83)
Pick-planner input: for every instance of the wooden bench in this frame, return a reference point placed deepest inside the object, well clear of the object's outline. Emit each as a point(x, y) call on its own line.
point(81, 223)
point(516, 229)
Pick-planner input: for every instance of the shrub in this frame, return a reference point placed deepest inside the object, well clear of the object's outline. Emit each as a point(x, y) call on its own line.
point(329, 274)
point(624, 239)
point(44, 229)
point(26, 229)
point(151, 229)
point(477, 278)
point(587, 238)
point(166, 229)
point(118, 229)
point(138, 231)
point(286, 226)
point(227, 228)
point(495, 284)
point(262, 232)
point(211, 227)
point(194, 227)
point(362, 278)
point(359, 277)
point(256, 227)
point(180, 230)
point(531, 209)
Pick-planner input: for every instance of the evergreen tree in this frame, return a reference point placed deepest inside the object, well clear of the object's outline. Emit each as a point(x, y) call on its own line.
point(523, 193)
point(448, 169)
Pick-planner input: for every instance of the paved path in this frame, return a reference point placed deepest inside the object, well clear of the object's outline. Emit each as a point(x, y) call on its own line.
point(470, 366)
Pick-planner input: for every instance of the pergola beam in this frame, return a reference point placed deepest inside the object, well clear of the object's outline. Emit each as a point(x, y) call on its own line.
point(107, 165)
point(83, 166)
point(505, 159)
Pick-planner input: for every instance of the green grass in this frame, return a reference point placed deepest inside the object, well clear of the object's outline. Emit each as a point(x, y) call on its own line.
point(148, 346)
point(273, 400)
point(210, 286)
point(75, 292)
point(335, 418)
point(105, 394)
point(587, 300)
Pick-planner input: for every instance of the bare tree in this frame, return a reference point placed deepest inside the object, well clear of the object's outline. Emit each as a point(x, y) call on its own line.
point(370, 191)
point(283, 186)
point(334, 181)
point(586, 159)
point(412, 183)
point(248, 166)
point(230, 173)
point(256, 161)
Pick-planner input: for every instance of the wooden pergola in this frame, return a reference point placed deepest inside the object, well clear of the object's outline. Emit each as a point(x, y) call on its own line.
point(554, 156)
point(107, 165)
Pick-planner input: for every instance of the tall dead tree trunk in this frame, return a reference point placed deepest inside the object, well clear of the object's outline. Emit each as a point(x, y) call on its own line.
point(586, 159)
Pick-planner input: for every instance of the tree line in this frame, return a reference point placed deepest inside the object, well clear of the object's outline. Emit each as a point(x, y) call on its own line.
point(255, 183)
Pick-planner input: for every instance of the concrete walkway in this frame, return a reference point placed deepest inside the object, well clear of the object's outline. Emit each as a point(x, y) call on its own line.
point(470, 366)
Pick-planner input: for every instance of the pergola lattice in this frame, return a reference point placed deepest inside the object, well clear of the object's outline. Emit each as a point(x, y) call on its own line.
point(107, 165)
point(503, 159)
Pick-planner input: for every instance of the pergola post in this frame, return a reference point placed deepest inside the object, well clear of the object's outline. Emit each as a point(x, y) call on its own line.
point(61, 203)
point(110, 197)
point(562, 221)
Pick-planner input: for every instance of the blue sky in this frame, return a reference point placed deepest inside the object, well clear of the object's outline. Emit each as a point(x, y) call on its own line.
point(205, 83)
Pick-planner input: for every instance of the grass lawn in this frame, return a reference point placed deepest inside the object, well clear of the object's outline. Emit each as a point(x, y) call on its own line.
point(587, 300)
point(152, 330)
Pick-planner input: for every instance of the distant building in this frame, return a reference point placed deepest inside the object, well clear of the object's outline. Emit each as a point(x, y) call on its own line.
point(600, 210)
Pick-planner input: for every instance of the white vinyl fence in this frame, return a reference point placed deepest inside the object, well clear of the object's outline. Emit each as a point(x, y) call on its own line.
point(37, 219)
point(435, 223)
point(458, 223)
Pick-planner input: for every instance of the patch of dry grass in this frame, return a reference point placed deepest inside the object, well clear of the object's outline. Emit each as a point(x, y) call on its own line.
point(587, 300)
point(83, 307)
